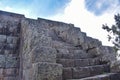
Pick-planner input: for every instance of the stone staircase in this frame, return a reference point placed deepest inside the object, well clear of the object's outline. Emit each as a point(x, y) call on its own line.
point(9, 47)
point(49, 50)
point(79, 65)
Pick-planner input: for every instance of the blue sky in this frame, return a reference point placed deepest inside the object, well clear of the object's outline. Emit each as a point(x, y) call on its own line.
point(89, 15)
point(45, 8)
point(36, 7)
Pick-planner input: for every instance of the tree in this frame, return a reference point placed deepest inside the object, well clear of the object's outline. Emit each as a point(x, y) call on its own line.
point(114, 32)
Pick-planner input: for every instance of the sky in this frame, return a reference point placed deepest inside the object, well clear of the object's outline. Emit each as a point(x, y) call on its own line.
point(88, 15)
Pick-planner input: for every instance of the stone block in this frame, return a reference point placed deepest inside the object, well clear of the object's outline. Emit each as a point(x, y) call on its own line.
point(28, 74)
point(58, 56)
point(94, 61)
point(44, 54)
point(1, 28)
point(81, 62)
point(2, 46)
point(92, 43)
point(79, 54)
point(67, 56)
point(47, 71)
point(11, 62)
point(11, 46)
point(12, 40)
point(108, 54)
point(67, 73)
point(1, 72)
point(1, 51)
point(10, 78)
point(11, 72)
point(12, 29)
point(115, 66)
point(98, 69)
point(94, 52)
point(9, 51)
point(2, 38)
point(2, 61)
point(81, 72)
point(66, 62)
point(1, 77)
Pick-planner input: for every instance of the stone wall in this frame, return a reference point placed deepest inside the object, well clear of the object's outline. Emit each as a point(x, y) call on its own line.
point(9, 45)
point(37, 52)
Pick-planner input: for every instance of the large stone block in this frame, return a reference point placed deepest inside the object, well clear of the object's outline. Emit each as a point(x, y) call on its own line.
point(94, 52)
point(3, 38)
point(80, 72)
point(115, 66)
point(72, 35)
point(10, 78)
point(44, 54)
point(1, 72)
point(11, 62)
point(99, 69)
point(67, 73)
point(79, 54)
point(81, 62)
point(108, 54)
point(11, 46)
point(12, 40)
point(66, 62)
point(2, 61)
point(28, 74)
point(11, 72)
point(47, 71)
point(91, 43)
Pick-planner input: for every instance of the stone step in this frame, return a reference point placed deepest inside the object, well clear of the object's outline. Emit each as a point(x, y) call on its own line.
point(44, 71)
point(82, 72)
point(63, 45)
point(9, 61)
point(10, 29)
point(8, 39)
point(5, 46)
point(107, 76)
point(75, 55)
point(78, 62)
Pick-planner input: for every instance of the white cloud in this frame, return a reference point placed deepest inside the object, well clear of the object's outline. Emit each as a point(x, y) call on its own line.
point(76, 13)
point(8, 8)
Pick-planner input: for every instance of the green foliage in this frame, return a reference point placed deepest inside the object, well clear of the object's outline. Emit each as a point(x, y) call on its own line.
point(114, 31)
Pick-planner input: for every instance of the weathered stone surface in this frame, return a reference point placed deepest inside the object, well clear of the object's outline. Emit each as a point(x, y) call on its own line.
point(11, 61)
point(1, 72)
point(79, 72)
point(72, 35)
point(67, 73)
point(108, 54)
point(92, 43)
point(10, 78)
point(99, 69)
point(66, 62)
point(2, 38)
point(47, 71)
point(2, 61)
point(44, 54)
point(11, 39)
point(115, 66)
point(11, 72)
point(28, 74)
point(81, 62)
point(94, 52)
